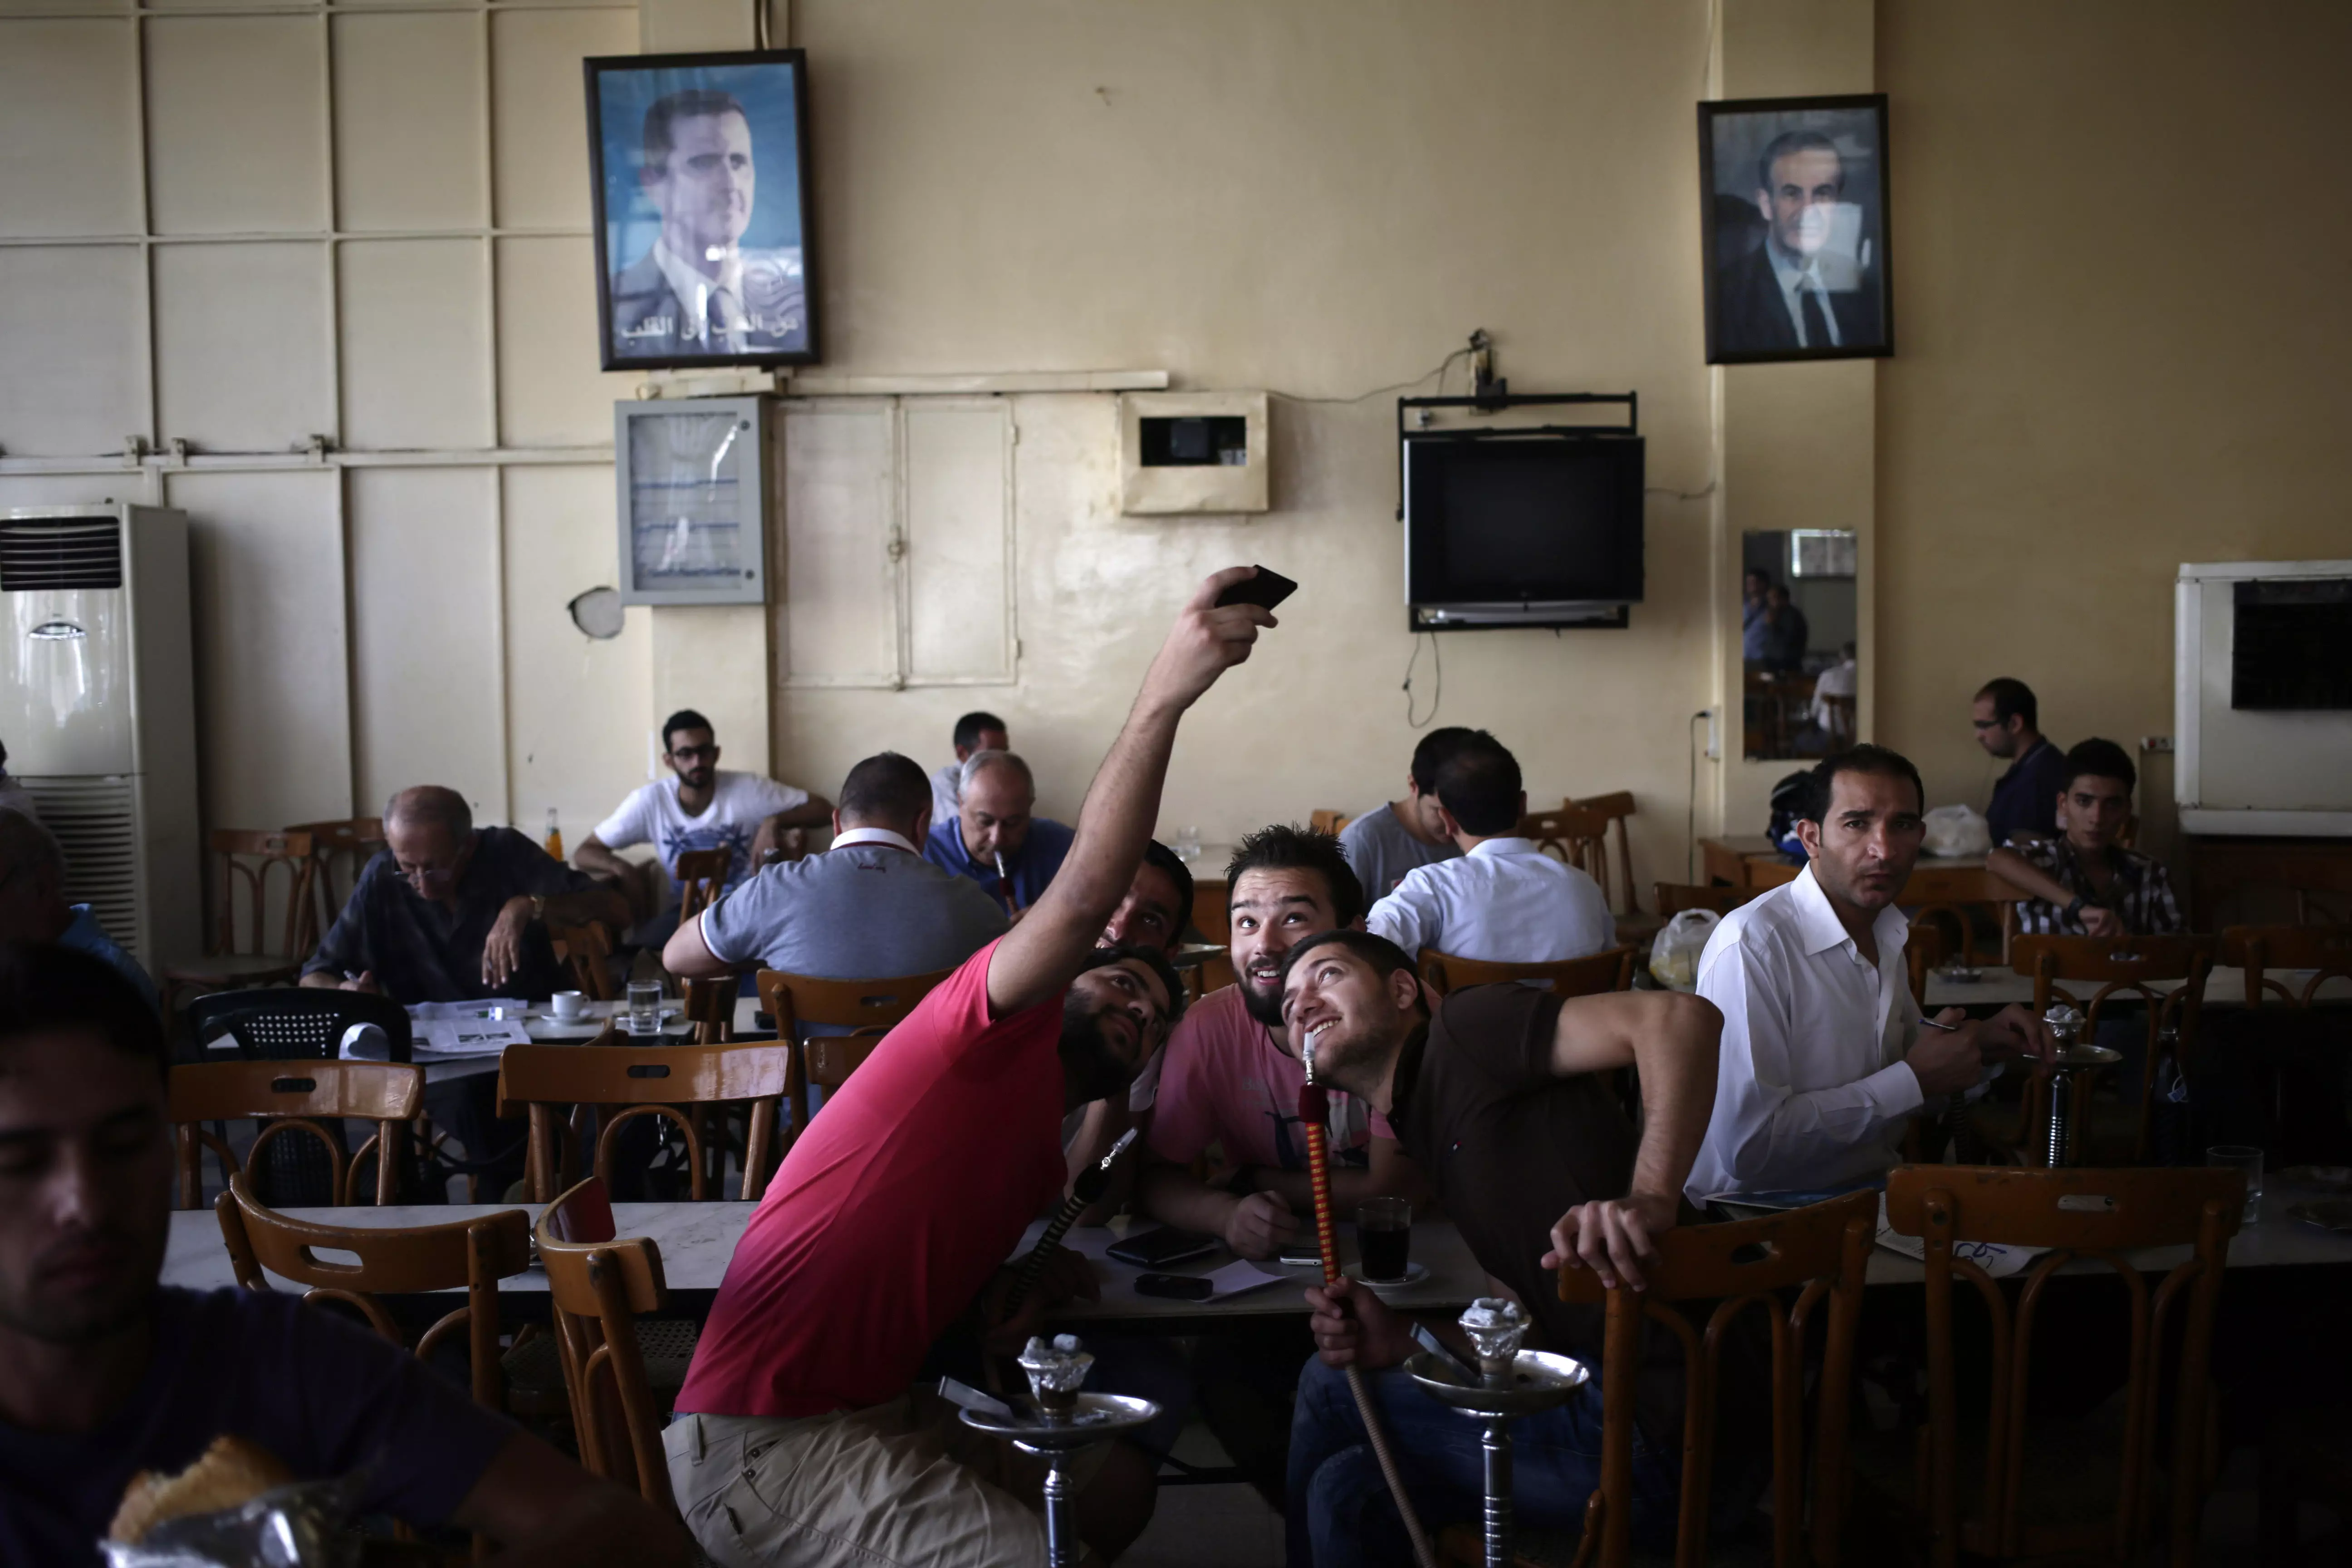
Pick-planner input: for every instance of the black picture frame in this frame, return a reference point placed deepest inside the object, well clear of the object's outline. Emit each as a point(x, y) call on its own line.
point(641, 323)
point(1752, 314)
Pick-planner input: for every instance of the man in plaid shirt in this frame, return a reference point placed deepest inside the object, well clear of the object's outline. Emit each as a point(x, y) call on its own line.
point(2082, 882)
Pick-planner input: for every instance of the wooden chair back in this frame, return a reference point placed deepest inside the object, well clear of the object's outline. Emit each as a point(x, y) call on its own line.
point(869, 1007)
point(1609, 970)
point(1951, 893)
point(2095, 1215)
point(1674, 897)
point(344, 846)
point(299, 1095)
point(2118, 966)
point(1575, 834)
point(587, 951)
point(1618, 809)
point(1325, 820)
point(710, 1009)
point(254, 862)
point(598, 1283)
point(614, 1071)
point(2326, 951)
point(1763, 874)
point(1817, 1253)
point(700, 874)
point(472, 1255)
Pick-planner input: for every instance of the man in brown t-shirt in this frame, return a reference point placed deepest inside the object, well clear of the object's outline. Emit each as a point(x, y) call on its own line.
point(1498, 1098)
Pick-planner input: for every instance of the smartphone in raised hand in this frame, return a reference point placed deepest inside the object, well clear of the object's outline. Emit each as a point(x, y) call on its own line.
point(1267, 589)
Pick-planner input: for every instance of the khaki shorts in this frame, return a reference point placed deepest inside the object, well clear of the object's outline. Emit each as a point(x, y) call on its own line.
point(898, 1485)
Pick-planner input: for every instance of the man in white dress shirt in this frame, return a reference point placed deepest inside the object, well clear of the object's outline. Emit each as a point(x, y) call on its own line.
point(1824, 1057)
point(1504, 900)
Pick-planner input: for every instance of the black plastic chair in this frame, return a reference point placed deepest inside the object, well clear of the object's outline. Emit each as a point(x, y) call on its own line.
point(289, 1024)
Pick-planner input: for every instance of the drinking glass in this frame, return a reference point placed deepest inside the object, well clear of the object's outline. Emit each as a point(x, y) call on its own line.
point(1188, 845)
point(2242, 1157)
point(645, 1008)
point(1384, 1238)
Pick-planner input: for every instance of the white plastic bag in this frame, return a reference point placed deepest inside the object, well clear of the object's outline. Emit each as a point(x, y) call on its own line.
point(1674, 956)
point(1958, 830)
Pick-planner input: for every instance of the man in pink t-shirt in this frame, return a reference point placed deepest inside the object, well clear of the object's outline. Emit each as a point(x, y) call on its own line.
point(799, 1439)
point(1228, 1080)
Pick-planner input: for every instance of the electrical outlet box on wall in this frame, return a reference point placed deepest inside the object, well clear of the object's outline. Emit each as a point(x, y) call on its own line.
point(1192, 452)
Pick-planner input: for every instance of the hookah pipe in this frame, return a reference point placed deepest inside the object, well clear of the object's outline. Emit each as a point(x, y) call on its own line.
point(1087, 1191)
point(1314, 1112)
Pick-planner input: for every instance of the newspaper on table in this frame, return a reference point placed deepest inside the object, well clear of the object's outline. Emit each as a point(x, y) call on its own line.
point(466, 1028)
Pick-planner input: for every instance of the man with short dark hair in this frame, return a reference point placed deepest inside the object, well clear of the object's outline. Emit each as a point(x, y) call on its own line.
point(979, 731)
point(1823, 1055)
point(995, 837)
point(699, 806)
point(2083, 881)
point(1503, 900)
point(2025, 801)
point(1229, 1081)
point(698, 290)
point(450, 912)
point(1799, 287)
point(1503, 1097)
point(1389, 841)
point(870, 908)
point(800, 1436)
point(104, 1373)
point(32, 905)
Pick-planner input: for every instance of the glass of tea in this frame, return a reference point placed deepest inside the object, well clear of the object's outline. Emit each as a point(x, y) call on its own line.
point(1384, 1236)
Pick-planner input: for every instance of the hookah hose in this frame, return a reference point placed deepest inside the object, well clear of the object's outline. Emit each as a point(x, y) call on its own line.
point(1088, 1190)
point(1314, 1110)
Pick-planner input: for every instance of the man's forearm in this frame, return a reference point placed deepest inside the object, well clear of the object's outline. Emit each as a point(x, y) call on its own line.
point(815, 812)
point(322, 980)
point(1173, 1196)
point(1678, 1068)
point(2019, 872)
point(1115, 823)
point(594, 855)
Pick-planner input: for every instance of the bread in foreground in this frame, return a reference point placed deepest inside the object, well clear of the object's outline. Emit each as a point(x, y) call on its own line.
point(229, 1473)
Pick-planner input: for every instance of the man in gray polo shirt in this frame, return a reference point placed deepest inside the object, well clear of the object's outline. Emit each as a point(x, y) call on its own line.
point(870, 908)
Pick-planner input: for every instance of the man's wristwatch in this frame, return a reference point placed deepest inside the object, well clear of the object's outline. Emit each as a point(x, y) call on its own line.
point(539, 908)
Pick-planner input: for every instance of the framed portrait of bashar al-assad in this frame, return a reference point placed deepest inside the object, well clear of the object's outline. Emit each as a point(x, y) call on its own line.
point(701, 163)
point(1793, 209)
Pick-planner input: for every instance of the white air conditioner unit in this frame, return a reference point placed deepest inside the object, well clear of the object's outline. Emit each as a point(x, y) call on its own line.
point(98, 711)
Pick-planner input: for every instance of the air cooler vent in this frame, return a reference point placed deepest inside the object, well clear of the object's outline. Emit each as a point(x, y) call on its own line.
point(49, 552)
point(96, 821)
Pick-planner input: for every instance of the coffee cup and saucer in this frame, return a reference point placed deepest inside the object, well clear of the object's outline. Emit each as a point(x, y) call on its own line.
point(568, 1005)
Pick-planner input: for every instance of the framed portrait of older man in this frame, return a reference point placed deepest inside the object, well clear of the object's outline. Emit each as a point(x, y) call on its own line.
point(700, 166)
point(1793, 211)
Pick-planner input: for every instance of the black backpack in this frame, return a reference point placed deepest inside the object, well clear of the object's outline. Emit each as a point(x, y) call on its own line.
point(1787, 804)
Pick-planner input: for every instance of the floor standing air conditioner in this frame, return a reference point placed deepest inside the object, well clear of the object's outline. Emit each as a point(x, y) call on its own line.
point(98, 711)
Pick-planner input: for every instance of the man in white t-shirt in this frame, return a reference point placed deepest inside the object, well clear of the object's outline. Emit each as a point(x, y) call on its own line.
point(700, 807)
point(975, 732)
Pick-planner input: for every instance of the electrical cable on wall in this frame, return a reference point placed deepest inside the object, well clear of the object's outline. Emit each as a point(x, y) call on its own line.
point(1437, 661)
point(1442, 366)
point(1690, 817)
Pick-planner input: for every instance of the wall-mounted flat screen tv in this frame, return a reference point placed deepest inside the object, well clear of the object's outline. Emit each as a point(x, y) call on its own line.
point(1522, 531)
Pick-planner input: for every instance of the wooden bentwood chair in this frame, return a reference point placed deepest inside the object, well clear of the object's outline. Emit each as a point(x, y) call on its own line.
point(634, 1081)
point(339, 851)
point(389, 1094)
point(2324, 951)
point(587, 951)
point(622, 1368)
point(473, 1255)
point(252, 863)
point(869, 1008)
point(1818, 1253)
point(700, 874)
point(1610, 969)
point(2091, 1215)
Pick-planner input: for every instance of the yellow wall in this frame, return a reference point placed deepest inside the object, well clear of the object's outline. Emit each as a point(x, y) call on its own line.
point(2125, 318)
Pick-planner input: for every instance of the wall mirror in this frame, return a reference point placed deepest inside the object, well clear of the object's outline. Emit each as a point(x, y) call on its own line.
point(1797, 642)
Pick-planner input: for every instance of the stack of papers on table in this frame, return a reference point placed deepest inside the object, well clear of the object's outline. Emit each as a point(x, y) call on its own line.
point(464, 1028)
point(1996, 1258)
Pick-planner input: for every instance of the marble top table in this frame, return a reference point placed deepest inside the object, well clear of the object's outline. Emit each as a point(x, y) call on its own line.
point(698, 1239)
point(2224, 987)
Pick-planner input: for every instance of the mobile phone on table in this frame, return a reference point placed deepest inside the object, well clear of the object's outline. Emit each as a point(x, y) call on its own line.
point(1175, 1287)
point(1268, 588)
point(1300, 1255)
point(1156, 1248)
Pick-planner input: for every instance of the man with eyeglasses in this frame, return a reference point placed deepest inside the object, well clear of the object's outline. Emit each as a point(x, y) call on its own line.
point(450, 912)
point(699, 806)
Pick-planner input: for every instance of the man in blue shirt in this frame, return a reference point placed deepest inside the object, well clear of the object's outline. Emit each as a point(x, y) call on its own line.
point(33, 907)
point(995, 839)
point(2026, 798)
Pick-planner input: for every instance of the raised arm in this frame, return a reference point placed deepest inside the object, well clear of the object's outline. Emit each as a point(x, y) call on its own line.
point(1036, 960)
point(1672, 1042)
